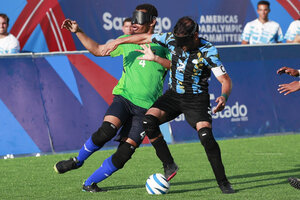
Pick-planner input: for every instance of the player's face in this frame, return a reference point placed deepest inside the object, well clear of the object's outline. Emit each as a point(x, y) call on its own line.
point(3, 26)
point(127, 28)
point(141, 28)
point(263, 11)
point(138, 28)
point(191, 43)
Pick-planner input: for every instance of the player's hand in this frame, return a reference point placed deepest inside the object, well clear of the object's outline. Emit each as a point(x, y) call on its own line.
point(109, 47)
point(289, 88)
point(288, 70)
point(221, 104)
point(148, 54)
point(70, 25)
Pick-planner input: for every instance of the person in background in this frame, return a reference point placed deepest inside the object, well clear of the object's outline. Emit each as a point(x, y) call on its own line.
point(127, 26)
point(262, 30)
point(293, 33)
point(8, 42)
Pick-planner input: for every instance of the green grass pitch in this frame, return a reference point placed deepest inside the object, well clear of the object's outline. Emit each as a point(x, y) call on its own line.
point(258, 168)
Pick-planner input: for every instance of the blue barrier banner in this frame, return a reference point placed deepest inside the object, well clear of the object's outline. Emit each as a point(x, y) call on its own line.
point(54, 102)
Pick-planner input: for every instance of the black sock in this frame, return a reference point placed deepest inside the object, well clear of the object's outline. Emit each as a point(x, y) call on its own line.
point(162, 151)
point(214, 157)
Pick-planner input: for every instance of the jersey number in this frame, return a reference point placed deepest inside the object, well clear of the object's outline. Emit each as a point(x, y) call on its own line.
point(142, 62)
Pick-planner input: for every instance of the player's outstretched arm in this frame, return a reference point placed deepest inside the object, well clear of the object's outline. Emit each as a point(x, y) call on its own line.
point(92, 46)
point(226, 90)
point(289, 88)
point(143, 38)
point(150, 56)
point(288, 70)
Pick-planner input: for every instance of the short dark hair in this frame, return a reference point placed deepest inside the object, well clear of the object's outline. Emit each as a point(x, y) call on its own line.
point(185, 26)
point(5, 17)
point(150, 9)
point(263, 3)
point(128, 19)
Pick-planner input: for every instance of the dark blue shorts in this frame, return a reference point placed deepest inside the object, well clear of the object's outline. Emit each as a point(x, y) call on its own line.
point(131, 117)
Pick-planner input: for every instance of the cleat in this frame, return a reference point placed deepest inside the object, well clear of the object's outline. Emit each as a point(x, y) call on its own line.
point(92, 188)
point(226, 188)
point(170, 171)
point(294, 182)
point(66, 165)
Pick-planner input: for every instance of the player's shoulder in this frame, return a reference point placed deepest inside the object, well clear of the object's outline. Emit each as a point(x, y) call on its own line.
point(205, 43)
point(206, 46)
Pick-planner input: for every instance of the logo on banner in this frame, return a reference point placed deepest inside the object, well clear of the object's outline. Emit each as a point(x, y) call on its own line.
point(115, 23)
point(236, 112)
point(221, 28)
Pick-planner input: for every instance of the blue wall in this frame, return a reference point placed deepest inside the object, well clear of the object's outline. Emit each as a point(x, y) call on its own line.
point(52, 103)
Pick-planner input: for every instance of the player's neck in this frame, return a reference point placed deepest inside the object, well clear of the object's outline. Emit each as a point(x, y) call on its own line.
point(151, 30)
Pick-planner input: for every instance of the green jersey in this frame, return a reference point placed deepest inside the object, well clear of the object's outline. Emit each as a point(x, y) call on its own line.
point(141, 81)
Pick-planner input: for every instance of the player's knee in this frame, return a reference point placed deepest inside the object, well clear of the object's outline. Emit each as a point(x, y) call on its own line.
point(122, 155)
point(104, 134)
point(207, 139)
point(151, 126)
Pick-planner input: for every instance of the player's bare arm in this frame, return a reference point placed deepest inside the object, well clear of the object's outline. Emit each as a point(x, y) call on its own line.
point(289, 88)
point(143, 38)
point(150, 56)
point(226, 90)
point(288, 70)
point(92, 46)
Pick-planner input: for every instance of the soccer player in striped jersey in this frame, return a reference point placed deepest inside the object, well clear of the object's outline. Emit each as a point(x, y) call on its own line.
point(193, 59)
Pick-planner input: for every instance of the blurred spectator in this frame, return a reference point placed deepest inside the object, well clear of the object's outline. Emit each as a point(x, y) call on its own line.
point(127, 26)
point(293, 33)
point(262, 30)
point(8, 42)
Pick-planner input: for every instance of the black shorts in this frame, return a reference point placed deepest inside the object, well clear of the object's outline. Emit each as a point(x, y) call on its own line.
point(131, 117)
point(195, 107)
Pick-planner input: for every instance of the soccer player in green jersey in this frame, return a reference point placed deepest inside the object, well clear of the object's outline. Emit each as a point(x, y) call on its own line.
point(139, 87)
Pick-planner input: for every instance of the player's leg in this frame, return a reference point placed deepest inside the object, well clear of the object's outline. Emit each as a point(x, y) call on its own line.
point(197, 113)
point(105, 133)
point(213, 153)
point(115, 115)
point(109, 166)
point(162, 110)
point(130, 137)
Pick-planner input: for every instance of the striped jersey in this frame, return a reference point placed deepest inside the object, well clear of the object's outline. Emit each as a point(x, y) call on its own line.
point(190, 71)
point(256, 32)
point(293, 30)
